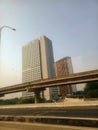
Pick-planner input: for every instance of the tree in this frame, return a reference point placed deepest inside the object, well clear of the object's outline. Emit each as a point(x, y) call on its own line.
point(79, 94)
point(91, 90)
point(9, 101)
point(26, 100)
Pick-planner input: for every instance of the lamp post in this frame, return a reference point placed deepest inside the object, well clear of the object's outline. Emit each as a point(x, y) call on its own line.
point(2, 27)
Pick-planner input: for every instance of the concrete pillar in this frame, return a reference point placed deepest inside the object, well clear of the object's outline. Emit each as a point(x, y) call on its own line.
point(43, 96)
point(1, 95)
point(37, 95)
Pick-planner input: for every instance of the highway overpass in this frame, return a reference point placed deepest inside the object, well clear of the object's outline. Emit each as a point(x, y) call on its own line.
point(40, 85)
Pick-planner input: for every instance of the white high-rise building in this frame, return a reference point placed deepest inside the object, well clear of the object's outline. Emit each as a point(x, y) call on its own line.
point(38, 63)
point(31, 62)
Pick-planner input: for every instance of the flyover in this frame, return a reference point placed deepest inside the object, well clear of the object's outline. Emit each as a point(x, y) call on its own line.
point(40, 85)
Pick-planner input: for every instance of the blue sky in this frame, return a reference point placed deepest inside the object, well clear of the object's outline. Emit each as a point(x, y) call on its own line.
point(72, 25)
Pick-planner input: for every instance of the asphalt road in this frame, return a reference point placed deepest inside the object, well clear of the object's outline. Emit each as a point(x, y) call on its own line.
point(86, 112)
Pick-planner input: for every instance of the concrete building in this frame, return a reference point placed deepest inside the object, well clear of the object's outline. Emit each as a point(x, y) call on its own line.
point(38, 63)
point(27, 94)
point(64, 67)
point(31, 62)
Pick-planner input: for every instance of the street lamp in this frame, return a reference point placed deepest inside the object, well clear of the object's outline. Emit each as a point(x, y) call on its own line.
point(2, 27)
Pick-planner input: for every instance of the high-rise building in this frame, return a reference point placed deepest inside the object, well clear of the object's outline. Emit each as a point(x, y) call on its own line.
point(64, 67)
point(31, 62)
point(38, 63)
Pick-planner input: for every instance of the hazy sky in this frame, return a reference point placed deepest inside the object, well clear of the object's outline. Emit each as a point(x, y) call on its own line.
point(72, 25)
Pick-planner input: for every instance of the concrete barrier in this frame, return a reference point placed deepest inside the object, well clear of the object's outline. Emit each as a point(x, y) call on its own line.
point(88, 122)
point(36, 126)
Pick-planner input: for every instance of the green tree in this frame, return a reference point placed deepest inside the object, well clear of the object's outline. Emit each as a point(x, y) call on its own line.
point(91, 90)
point(1, 102)
point(9, 101)
point(79, 94)
point(26, 100)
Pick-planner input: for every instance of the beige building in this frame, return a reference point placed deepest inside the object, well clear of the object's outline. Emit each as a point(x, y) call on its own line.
point(38, 63)
point(64, 67)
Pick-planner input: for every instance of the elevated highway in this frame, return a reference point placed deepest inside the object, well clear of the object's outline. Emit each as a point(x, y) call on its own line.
point(40, 85)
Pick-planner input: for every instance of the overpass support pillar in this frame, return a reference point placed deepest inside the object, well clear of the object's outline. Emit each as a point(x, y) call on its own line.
point(1, 95)
point(37, 95)
point(43, 94)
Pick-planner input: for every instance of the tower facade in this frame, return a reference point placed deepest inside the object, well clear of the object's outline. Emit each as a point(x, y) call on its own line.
point(38, 63)
point(31, 62)
point(64, 67)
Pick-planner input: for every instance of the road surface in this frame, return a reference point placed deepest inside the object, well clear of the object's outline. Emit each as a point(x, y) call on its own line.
point(78, 111)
